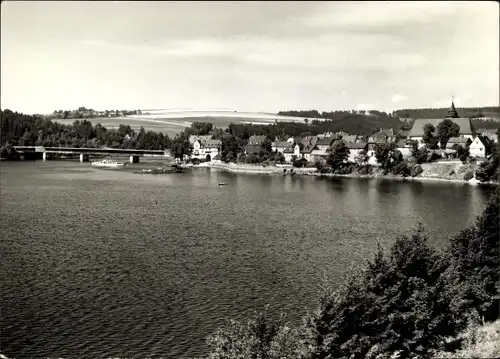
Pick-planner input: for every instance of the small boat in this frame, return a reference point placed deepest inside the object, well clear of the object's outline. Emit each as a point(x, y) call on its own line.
point(108, 163)
point(222, 184)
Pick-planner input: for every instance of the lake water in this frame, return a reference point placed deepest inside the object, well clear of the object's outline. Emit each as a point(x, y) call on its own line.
point(106, 263)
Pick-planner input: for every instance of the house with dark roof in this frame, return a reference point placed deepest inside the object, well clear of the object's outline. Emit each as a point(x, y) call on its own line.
point(383, 136)
point(457, 141)
point(205, 149)
point(308, 145)
point(480, 146)
point(279, 146)
point(466, 128)
point(254, 145)
point(355, 148)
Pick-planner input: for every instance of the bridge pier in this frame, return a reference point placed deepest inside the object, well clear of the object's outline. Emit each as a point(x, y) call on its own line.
point(44, 156)
point(134, 159)
point(84, 157)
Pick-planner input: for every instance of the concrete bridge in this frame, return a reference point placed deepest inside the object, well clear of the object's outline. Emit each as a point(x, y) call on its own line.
point(86, 152)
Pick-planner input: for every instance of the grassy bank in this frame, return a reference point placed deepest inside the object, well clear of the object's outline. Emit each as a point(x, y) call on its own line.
point(442, 172)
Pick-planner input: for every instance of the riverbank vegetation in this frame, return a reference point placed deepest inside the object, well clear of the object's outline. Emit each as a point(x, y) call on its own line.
point(18, 129)
point(411, 301)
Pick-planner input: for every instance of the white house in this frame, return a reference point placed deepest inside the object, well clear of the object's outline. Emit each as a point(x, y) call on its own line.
point(279, 146)
point(355, 148)
point(478, 147)
point(205, 150)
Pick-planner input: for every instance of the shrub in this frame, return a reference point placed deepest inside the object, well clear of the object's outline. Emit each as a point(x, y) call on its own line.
point(365, 169)
point(433, 156)
point(416, 170)
point(401, 169)
point(259, 338)
point(468, 175)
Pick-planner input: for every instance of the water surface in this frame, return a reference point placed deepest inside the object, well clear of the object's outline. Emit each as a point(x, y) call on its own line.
point(101, 263)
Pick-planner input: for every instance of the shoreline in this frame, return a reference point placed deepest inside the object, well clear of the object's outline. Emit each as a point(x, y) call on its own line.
point(271, 170)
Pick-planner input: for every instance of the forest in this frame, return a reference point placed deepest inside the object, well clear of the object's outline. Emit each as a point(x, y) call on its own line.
point(18, 129)
point(471, 112)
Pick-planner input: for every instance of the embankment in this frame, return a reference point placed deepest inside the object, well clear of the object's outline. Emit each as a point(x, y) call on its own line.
point(449, 171)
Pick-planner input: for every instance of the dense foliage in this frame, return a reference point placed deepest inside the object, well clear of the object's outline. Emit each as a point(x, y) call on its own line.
point(355, 122)
point(489, 170)
point(26, 130)
point(404, 303)
point(493, 111)
point(445, 130)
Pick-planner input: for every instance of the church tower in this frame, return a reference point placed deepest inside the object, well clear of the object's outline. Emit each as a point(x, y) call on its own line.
point(452, 112)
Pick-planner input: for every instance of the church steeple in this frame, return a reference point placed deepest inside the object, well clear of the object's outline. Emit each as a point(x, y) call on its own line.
point(452, 112)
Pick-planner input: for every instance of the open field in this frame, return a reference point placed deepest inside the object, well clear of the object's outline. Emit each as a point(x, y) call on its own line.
point(172, 123)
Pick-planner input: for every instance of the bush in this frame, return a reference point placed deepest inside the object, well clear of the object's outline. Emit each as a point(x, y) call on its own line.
point(433, 156)
point(259, 338)
point(416, 170)
point(401, 169)
point(365, 170)
point(468, 175)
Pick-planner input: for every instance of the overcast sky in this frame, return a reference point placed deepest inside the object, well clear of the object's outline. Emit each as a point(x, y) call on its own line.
point(248, 56)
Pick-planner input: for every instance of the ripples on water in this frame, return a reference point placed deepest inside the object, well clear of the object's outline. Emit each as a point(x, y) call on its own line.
point(92, 267)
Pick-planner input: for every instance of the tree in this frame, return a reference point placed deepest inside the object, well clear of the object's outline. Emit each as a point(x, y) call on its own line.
point(428, 136)
point(489, 170)
point(420, 155)
point(462, 153)
point(361, 161)
point(181, 147)
point(387, 156)
point(445, 130)
point(338, 155)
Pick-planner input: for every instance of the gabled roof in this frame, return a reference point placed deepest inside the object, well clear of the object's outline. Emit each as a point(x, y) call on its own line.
point(309, 143)
point(193, 138)
point(356, 145)
point(211, 143)
point(325, 141)
point(418, 126)
point(280, 144)
point(252, 148)
point(256, 140)
point(458, 140)
point(349, 138)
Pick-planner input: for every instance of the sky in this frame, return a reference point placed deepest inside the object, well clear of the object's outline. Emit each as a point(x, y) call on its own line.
point(248, 56)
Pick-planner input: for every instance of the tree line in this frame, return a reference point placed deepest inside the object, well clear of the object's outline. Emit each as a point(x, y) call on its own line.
point(18, 129)
point(410, 301)
point(426, 113)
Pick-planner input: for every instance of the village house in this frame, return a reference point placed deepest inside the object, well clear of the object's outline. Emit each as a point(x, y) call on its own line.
point(479, 147)
point(405, 147)
point(372, 160)
point(466, 128)
point(355, 148)
point(322, 149)
point(464, 142)
point(279, 146)
point(308, 145)
point(205, 150)
point(383, 136)
point(254, 145)
point(289, 152)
